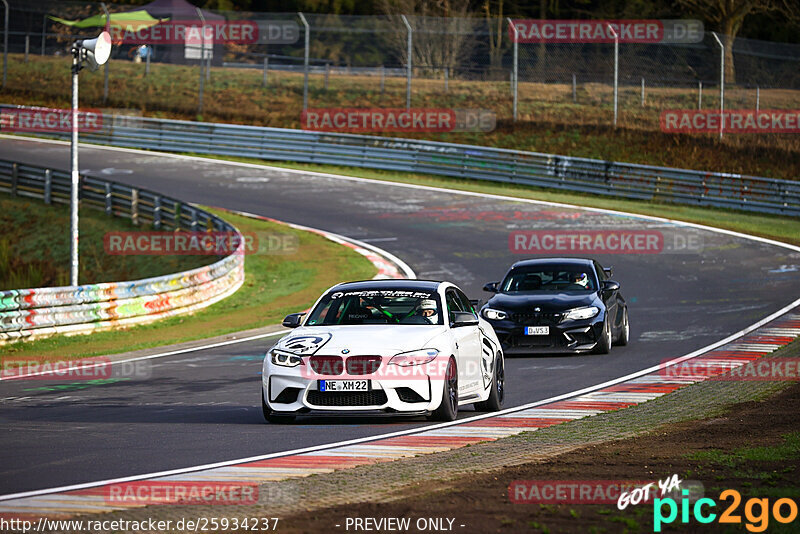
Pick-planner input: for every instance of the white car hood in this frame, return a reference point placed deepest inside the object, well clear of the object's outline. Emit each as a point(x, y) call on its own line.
point(359, 339)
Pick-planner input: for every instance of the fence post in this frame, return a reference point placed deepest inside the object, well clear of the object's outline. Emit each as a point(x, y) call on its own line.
point(616, 71)
point(574, 89)
point(721, 84)
point(5, 45)
point(327, 73)
point(27, 46)
point(44, 31)
point(202, 53)
point(266, 70)
point(642, 91)
point(699, 95)
point(515, 71)
point(14, 178)
point(409, 45)
point(147, 61)
point(446, 79)
point(383, 79)
point(305, 59)
point(48, 186)
point(758, 98)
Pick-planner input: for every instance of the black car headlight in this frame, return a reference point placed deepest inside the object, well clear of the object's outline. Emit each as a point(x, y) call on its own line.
point(494, 315)
point(286, 359)
point(578, 314)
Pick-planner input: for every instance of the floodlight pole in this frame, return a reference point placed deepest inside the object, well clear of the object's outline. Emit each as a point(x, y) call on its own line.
point(515, 71)
point(202, 59)
point(76, 181)
point(616, 70)
point(307, 43)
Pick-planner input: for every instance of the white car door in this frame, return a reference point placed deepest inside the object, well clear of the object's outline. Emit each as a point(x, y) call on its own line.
point(468, 343)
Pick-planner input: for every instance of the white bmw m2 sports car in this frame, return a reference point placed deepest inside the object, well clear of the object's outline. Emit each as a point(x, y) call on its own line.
point(384, 346)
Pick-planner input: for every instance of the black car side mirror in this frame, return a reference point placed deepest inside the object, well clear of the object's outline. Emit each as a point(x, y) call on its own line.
point(293, 320)
point(463, 319)
point(491, 287)
point(610, 285)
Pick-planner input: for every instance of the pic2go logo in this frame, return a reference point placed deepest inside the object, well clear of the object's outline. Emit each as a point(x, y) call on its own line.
point(757, 521)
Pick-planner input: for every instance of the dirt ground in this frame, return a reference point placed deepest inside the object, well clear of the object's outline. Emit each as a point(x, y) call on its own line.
point(754, 449)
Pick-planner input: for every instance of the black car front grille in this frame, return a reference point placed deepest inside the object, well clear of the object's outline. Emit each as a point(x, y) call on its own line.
point(536, 318)
point(327, 365)
point(362, 365)
point(347, 398)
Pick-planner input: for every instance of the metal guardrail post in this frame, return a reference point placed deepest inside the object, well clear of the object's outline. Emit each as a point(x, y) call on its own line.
point(135, 206)
point(48, 186)
point(305, 59)
point(721, 84)
point(157, 212)
point(108, 199)
point(409, 50)
point(14, 178)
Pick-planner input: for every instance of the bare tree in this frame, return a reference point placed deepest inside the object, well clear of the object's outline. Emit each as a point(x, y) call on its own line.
point(443, 31)
point(495, 23)
point(728, 16)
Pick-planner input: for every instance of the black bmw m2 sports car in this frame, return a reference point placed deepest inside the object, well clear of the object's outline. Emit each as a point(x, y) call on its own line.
point(557, 305)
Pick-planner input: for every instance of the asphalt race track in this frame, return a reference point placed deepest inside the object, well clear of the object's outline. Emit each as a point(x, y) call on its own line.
point(203, 406)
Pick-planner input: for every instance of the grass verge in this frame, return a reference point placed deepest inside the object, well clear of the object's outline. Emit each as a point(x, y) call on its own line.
point(786, 229)
point(275, 285)
point(34, 249)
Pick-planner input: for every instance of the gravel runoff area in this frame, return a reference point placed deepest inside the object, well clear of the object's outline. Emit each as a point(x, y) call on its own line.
point(471, 483)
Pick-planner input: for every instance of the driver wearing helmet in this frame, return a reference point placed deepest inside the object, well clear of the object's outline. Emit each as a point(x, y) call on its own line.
point(580, 279)
point(427, 308)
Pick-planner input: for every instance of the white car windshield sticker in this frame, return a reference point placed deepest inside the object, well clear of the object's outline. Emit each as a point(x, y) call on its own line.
point(382, 293)
point(305, 344)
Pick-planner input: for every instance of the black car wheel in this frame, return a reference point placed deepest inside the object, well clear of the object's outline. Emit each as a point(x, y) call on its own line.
point(625, 330)
point(604, 344)
point(495, 401)
point(273, 417)
point(448, 409)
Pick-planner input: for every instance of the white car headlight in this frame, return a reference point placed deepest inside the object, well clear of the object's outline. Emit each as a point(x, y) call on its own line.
point(494, 315)
point(414, 357)
point(581, 313)
point(285, 359)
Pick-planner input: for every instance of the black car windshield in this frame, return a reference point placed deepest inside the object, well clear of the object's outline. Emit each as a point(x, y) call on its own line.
point(379, 306)
point(548, 278)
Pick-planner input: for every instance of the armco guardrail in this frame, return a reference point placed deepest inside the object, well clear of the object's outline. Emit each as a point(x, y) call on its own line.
point(45, 311)
point(584, 175)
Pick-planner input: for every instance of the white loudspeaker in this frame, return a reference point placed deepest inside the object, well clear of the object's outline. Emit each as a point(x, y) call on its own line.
point(96, 51)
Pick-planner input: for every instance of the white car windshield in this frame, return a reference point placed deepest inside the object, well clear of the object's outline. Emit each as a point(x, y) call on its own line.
point(378, 306)
point(548, 278)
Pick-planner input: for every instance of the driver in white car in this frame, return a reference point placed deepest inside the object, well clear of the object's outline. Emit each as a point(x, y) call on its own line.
point(428, 310)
